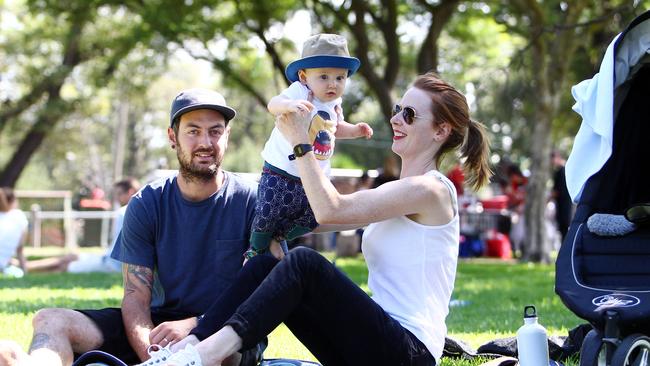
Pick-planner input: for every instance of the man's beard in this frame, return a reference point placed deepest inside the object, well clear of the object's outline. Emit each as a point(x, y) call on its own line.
point(195, 172)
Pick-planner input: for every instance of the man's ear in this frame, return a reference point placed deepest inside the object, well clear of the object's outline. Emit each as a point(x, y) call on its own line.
point(442, 131)
point(172, 137)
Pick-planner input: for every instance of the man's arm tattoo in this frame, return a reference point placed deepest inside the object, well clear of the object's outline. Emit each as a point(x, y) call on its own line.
point(136, 277)
point(40, 340)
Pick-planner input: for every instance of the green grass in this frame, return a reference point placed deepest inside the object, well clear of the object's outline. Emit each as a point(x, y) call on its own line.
point(495, 292)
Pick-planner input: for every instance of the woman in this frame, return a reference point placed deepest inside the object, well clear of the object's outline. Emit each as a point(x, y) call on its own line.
point(411, 248)
point(13, 228)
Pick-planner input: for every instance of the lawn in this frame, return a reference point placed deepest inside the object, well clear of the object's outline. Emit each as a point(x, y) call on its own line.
point(492, 295)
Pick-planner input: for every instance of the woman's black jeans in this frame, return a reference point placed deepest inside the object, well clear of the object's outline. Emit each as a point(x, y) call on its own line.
point(336, 320)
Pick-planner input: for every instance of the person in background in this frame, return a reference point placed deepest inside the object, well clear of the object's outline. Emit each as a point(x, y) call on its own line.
point(122, 190)
point(13, 231)
point(457, 177)
point(13, 228)
point(560, 194)
point(516, 192)
point(388, 172)
point(364, 182)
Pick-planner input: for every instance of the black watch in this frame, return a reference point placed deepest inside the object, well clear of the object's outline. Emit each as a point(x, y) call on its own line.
point(300, 150)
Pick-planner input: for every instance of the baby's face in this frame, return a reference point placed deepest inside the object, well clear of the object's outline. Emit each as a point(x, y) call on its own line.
point(327, 83)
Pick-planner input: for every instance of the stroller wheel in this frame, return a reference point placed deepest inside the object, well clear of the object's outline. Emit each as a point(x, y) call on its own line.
point(593, 352)
point(634, 350)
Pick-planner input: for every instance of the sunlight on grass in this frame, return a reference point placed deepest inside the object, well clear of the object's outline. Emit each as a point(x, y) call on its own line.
point(283, 344)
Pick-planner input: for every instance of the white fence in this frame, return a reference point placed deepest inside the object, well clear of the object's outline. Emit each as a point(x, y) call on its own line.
point(71, 218)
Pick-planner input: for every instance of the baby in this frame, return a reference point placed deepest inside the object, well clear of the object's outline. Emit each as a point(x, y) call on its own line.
point(318, 81)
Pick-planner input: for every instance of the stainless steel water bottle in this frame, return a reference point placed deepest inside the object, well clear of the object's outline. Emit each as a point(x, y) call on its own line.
point(532, 343)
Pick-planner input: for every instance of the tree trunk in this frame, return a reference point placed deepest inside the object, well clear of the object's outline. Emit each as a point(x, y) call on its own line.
point(54, 109)
point(440, 15)
point(120, 139)
point(536, 247)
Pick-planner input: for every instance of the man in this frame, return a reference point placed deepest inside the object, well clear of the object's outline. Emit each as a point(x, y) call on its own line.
point(182, 243)
point(122, 190)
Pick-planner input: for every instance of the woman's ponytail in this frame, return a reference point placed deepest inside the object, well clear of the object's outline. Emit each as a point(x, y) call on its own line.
point(475, 152)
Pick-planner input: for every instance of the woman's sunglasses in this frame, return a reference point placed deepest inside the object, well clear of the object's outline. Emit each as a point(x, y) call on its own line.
point(408, 113)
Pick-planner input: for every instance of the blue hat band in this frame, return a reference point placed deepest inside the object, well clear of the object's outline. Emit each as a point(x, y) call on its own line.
point(340, 62)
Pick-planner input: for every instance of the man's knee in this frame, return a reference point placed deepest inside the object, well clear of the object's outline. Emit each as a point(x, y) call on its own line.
point(79, 330)
point(50, 318)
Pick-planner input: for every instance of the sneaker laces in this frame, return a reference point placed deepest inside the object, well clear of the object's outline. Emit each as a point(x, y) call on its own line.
point(157, 354)
point(188, 356)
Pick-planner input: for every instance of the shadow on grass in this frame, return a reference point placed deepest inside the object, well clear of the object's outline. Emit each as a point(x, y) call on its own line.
point(63, 281)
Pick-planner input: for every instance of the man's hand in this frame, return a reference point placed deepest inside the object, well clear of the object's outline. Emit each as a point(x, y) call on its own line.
point(172, 331)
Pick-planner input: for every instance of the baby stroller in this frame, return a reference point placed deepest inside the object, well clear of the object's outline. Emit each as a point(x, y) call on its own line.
point(605, 278)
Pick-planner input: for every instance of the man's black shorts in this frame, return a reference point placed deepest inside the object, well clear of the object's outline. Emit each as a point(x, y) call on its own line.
point(109, 321)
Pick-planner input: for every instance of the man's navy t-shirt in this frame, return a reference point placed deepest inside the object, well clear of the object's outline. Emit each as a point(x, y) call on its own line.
point(194, 248)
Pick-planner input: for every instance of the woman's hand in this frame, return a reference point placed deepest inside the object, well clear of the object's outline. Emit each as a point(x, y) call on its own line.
point(293, 127)
point(172, 331)
point(301, 107)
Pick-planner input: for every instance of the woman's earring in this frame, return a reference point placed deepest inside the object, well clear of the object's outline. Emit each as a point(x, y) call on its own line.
point(173, 146)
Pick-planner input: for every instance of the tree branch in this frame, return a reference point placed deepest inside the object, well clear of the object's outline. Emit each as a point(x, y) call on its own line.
point(227, 70)
point(319, 18)
point(441, 14)
point(71, 57)
point(269, 47)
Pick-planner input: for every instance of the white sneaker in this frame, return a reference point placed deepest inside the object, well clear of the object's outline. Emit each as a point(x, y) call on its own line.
point(157, 355)
point(188, 356)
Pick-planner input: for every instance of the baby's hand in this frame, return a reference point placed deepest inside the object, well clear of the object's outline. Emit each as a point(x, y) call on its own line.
point(364, 130)
point(301, 107)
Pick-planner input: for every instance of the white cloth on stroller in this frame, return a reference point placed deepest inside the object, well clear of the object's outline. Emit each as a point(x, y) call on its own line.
point(595, 103)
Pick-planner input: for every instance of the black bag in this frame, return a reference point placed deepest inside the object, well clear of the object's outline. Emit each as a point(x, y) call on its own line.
point(98, 358)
